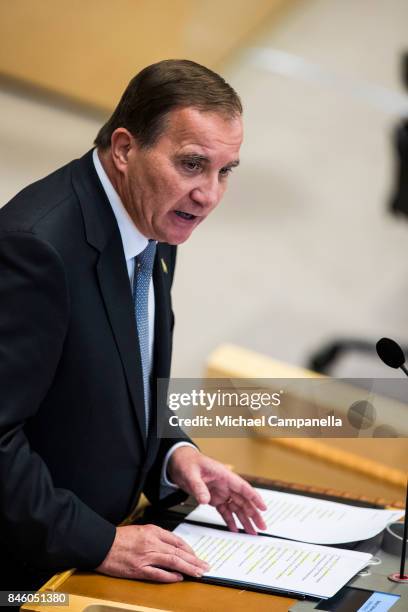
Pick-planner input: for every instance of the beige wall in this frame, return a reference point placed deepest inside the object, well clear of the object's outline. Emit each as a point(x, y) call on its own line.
point(88, 50)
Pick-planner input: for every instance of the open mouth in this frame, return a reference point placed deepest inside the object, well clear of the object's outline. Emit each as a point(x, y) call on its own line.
point(184, 215)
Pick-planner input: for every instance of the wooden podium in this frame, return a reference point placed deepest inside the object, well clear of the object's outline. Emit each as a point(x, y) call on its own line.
point(336, 462)
point(93, 592)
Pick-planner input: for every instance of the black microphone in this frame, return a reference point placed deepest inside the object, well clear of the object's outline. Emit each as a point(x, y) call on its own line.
point(393, 356)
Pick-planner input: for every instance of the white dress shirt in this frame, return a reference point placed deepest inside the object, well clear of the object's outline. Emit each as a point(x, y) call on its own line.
point(133, 244)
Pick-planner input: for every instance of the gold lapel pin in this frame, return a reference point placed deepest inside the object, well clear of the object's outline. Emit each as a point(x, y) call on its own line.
point(164, 265)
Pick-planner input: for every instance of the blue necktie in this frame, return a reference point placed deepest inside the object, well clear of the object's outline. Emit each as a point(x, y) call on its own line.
point(141, 283)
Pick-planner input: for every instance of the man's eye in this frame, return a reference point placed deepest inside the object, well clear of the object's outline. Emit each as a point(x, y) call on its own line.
point(191, 165)
point(225, 171)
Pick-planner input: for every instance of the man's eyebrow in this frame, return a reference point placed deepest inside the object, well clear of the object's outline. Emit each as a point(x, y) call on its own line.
point(194, 157)
point(203, 158)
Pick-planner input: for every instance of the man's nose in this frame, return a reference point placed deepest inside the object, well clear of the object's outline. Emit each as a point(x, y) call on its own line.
point(207, 194)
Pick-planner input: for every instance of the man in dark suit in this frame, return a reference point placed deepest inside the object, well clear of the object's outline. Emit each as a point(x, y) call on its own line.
point(86, 329)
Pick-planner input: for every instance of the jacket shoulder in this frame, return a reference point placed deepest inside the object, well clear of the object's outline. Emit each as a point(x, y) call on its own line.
point(33, 203)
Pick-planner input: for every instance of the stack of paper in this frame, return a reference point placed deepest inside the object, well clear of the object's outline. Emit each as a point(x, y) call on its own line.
point(280, 565)
point(307, 519)
point(298, 564)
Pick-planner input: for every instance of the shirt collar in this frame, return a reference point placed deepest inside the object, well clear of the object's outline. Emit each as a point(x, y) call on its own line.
point(133, 241)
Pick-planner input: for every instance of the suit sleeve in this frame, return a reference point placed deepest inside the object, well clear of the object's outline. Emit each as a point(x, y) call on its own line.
point(169, 436)
point(42, 525)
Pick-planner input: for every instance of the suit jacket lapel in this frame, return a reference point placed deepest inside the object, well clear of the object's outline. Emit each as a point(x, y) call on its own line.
point(116, 292)
point(103, 233)
point(162, 336)
point(162, 330)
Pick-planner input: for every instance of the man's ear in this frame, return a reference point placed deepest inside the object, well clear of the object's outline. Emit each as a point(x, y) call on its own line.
point(122, 142)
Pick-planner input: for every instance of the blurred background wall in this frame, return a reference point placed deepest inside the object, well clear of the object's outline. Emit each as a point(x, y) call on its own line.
point(87, 51)
point(302, 249)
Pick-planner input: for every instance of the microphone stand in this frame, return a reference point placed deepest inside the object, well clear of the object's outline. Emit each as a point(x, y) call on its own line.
point(401, 576)
point(392, 355)
point(404, 541)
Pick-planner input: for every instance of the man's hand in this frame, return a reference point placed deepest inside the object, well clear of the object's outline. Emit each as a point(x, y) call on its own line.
point(147, 552)
point(210, 482)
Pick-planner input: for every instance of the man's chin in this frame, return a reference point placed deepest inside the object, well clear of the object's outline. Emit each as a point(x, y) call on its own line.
point(177, 241)
point(176, 237)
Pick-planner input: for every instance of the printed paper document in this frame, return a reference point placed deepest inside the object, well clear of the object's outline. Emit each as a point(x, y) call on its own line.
point(307, 519)
point(317, 571)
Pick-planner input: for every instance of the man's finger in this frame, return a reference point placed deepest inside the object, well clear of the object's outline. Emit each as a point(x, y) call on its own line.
point(192, 559)
point(241, 487)
point(167, 549)
point(174, 562)
point(160, 575)
point(228, 517)
point(170, 538)
point(249, 510)
point(245, 521)
point(248, 492)
point(242, 503)
point(258, 519)
point(199, 489)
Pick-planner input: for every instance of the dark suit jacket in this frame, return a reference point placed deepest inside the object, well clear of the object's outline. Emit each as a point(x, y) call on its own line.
point(73, 453)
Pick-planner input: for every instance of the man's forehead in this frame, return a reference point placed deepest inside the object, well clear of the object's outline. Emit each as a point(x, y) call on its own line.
point(190, 126)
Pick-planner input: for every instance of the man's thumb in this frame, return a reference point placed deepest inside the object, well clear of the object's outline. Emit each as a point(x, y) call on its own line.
point(199, 490)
